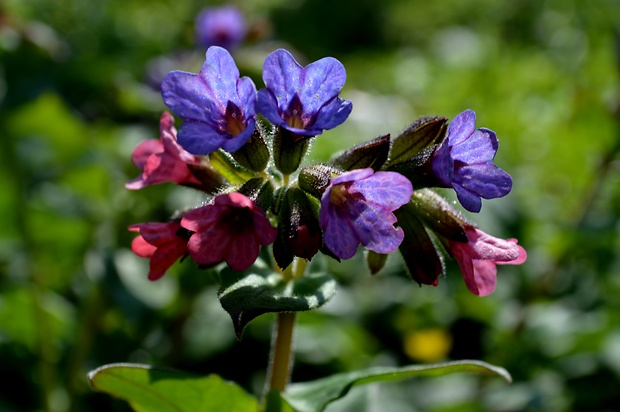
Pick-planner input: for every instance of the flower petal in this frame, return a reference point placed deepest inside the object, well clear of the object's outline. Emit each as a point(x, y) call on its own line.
point(267, 105)
point(487, 181)
point(338, 234)
point(189, 97)
point(332, 114)
point(200, 138)
point(388, 189)
point(283, 76)
point(461, 127)
point(220, 75)
point(321, 82)
point(479, 148)
point(144, 150)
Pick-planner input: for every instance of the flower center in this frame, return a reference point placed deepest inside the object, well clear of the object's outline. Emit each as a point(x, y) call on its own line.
point(234, 119)
point(294, 113)
point(338, 195)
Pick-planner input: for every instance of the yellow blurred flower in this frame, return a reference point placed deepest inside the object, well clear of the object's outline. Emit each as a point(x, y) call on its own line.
point(427, 345)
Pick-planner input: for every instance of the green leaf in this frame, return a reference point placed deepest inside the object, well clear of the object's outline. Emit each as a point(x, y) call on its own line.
point(316, 395)
point(247, 295)
point(152, 389)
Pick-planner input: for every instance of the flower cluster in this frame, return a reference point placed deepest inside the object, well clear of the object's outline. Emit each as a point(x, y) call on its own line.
point(244, 148)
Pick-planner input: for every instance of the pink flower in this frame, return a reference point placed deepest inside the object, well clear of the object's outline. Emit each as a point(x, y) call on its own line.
point(163, 160)
point(163, 243)
point(231, 229)
point(478, 257)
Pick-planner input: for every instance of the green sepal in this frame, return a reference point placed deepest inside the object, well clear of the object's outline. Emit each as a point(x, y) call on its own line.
point(254, 154)
point(259, 290)
point(376, 261)
point(224, 163)
point(417, 143)
point(211, 181)
point(373, 153)
point(148, 389)
point(423, 261)
point(315, 179)
point(439, 216)
point(289, 150)
point(316, 395)
point(260, 191)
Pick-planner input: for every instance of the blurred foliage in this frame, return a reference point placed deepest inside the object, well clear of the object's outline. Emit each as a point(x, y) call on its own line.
point(76, 96)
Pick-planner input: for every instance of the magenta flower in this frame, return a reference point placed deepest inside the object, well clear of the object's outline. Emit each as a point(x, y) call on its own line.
point(231, 229)
point(163, 160)
point(163, 243)
point(357, 208)
point(303, 100)
point(220, 26)
point(217, 105)
point(465, 162)
point(477, 258)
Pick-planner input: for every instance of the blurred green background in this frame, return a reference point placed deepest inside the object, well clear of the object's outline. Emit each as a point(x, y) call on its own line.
point(76, 98)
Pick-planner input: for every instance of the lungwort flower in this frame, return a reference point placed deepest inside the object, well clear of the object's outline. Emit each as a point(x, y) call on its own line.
point(464, 162)
point(163, 160)
point(163, 243)
point(220, 26)
point(477, 258)
point(303, 100)
point(357, 208)
point(217, 105)
point(232, 229)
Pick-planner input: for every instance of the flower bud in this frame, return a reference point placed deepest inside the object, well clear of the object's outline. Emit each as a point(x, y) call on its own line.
point(376, 261)
point(315, 179)
point(259, 191)
point(299, 233)
point(412, 151)
point(368, 154)
point(289, 150)
point(438, 215)
point(422, 259)
point(254, 154)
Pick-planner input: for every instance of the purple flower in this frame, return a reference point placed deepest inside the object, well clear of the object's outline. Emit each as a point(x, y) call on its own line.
point(303, 100)
point(465, 162)
point(217, 105)
point(220, 26)
point(357, 208)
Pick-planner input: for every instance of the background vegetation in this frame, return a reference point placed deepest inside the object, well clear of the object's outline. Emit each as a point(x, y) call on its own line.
point(76, 96)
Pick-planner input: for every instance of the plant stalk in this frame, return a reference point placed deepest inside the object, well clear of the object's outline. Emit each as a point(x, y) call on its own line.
point(281, 352)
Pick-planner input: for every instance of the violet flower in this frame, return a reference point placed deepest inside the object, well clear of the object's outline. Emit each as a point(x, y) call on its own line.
point(163, 160)
point(477, 258)
point(162, 243)
point(465, 162)
point(220, 26)
point(217, 105)
point(303, 100)
point(357, 208)
point(232, 229)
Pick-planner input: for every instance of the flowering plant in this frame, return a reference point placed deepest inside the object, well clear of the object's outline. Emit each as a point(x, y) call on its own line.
point(245, 149)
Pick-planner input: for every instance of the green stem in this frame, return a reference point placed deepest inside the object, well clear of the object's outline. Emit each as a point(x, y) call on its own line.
point(281, 357)
point(280, 360)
